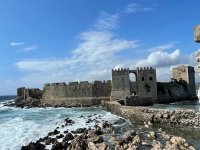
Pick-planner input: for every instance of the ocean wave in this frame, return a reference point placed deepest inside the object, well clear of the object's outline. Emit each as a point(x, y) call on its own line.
point(25, 125)
point(7, 108)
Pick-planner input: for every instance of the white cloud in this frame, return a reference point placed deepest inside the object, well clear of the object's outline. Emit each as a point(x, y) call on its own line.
point(161, 47)
point(16, 43)
point(28, 48)
point(96, 55)
point(96, 51)
point(96, 46)
point(162, 59)
point(134, 8)
point(106, 21)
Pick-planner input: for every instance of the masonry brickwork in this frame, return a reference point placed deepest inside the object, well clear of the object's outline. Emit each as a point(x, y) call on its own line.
point(145, 85)
point(145, 90)
point(186, 74)
point(197, 34)
point(162, 116)
point(76, 89)
point(26, 93)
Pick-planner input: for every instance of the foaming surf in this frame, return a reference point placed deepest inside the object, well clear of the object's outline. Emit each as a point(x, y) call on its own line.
point(19, 127)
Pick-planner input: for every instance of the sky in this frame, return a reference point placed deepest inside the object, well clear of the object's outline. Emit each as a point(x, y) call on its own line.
point(45, 41)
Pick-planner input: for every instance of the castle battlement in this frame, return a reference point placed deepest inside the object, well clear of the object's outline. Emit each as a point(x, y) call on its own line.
point(55, 84)
point(84, 82)
point(101, 82)
point(73, 83)
point(145, 68)
point(77, 84)
point(47, 84)
point(140, 82)
point(120, 71)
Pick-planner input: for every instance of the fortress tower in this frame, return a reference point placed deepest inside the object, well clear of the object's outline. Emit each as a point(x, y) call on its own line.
point(187, 74)
point(145, 85)
point(120, 84)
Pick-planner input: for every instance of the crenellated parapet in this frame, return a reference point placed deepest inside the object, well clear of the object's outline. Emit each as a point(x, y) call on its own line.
point(73, 83)
point(120, 71)
point(101, 82)
point(77, 89)
point(145, 68)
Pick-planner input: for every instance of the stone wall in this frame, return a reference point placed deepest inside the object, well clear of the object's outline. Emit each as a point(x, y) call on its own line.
point(120, 84)
point(142, 114)
point(197, 34)
point(147, 83)
point(55, 90)
point(144, 86)
point(26, 93)
point(187, 75)
point(101, 89)
point(76, 93)
point(172, 91)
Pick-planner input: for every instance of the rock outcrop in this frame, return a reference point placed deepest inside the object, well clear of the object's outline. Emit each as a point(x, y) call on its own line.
point(153, 115)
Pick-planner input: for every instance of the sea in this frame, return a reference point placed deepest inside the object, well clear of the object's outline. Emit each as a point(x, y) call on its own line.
point(20, 126)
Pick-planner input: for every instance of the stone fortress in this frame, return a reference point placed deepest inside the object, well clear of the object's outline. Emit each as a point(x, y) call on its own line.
point(145, 90)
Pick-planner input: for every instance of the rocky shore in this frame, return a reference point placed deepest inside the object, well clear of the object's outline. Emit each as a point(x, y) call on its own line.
point(187, 117)
point(104, 135)
point(32, 103)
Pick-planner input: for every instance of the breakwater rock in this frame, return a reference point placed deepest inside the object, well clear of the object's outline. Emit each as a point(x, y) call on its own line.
point(32, 103)
point(145, 114)
point(106, 136)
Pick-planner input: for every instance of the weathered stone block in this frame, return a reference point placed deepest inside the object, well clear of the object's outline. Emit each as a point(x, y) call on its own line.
point(197, 34)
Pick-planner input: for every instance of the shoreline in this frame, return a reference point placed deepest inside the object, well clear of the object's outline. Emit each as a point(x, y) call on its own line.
point(147, 126)
point(106, 136)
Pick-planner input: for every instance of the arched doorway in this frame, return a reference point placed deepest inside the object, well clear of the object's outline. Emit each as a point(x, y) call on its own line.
point(132, 77)
point(133, 83)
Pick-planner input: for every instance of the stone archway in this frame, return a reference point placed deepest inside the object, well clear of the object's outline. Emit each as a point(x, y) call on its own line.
point(133, 82)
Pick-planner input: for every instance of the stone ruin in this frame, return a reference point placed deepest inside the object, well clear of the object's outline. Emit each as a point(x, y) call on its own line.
point(197, 34)
point(77, 90)
point(144, 86)
point(144, 90)
point(25, 93)
point(197, 39)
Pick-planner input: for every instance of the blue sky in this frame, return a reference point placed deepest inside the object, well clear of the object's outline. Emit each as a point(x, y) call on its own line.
point(69, 40)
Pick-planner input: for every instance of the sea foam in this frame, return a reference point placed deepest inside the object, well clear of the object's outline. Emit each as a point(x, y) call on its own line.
point(19, 127)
